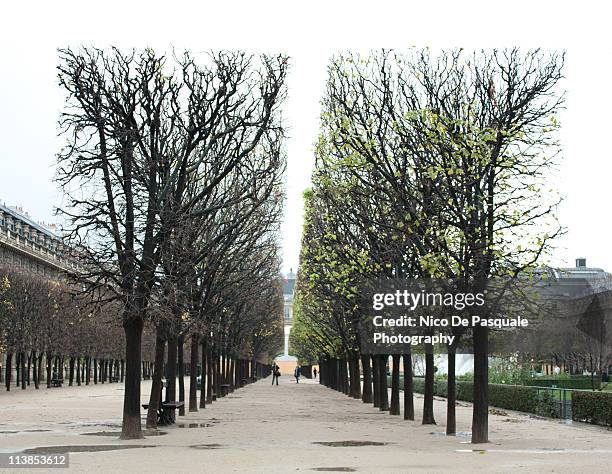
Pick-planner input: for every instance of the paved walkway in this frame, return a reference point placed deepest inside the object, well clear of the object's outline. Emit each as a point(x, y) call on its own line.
point(289, 428)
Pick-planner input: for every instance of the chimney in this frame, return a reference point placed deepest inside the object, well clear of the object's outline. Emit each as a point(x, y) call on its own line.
point(581, 263)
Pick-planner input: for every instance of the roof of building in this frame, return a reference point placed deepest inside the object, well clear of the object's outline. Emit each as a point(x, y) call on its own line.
point(14, 213)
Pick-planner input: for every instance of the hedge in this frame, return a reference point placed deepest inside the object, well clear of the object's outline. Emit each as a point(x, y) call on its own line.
point(592, 407)
point(581, 382)
point(511, 397)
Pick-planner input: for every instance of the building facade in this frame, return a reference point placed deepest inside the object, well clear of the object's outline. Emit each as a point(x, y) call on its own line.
point(287, 362)
point(27, 244)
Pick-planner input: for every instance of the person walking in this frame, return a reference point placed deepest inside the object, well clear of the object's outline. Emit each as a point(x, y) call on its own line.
point(315, 373)
point(296, 373)
point(275, 373)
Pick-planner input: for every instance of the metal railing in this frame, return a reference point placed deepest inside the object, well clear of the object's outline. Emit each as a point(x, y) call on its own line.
point(559, 398)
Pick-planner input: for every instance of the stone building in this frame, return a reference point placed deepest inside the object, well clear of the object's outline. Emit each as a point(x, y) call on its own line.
point(27, 244)
point(285, 361)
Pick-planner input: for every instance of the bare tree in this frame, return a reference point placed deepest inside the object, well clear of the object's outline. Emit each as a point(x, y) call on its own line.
point(138, 127)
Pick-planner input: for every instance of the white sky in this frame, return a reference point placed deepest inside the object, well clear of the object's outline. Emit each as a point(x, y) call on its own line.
point(309, 32)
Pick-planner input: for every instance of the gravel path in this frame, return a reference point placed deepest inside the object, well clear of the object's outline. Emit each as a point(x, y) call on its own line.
point(289, 428)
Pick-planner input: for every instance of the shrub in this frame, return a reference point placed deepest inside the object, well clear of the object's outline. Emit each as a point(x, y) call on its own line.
point(580, 382)
point(592, 407)
point(510, 397)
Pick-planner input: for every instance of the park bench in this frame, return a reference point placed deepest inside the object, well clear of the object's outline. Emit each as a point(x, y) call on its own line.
point(165, 414)
point(224, 389)
point(56, 382)
point(115, 378)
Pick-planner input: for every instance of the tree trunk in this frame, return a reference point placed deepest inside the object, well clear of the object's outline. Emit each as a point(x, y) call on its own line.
point(346, 367)
point(49, 368)
point(480, 413)
point(217, 374)
point(408, 390)
point(78, 371)
point(428, 410)
point(131, 428)
point(376, 381)
point(156, 384)
point(221, 372)
point(451, 397)
point(232, 374)
point(344, 374)
point(34, 360)
point(23, 369)
point(95, 370)
point(203, 371)
point(209, 375)
point(29, 369)
point(171, 370)
point(71, 373)
point(355, 377)
point(395, 405)
point(366, 396)
point(9, 371)
point(39, 374)
point(181, 373)
point(384, 392)
point(193, 374)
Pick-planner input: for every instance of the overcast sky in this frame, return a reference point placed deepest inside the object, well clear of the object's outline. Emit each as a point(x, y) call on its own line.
point(310, 32)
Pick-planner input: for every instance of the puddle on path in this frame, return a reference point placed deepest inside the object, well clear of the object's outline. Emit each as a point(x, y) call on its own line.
point(206, 446)
point(24, 431)
point(93, 448)
point(194, 425)
point(334, 469)
point(537, 451)
point(105, 425)
point(459, 434)
point(118, 433)
point(342, 444)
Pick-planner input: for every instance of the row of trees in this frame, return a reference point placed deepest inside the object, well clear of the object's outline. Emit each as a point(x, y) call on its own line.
point(172, 177)
point(46, 332)
point(429, 165)
point(51, 333)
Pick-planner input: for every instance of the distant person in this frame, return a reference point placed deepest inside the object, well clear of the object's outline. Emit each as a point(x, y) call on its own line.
point(275, 374)
point(315, 373)
point(296, 373)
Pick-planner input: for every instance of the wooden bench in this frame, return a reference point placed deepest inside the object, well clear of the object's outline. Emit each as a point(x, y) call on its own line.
point(224, 389)
point(55, 382)
point(165, 414)
point(115, 378)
